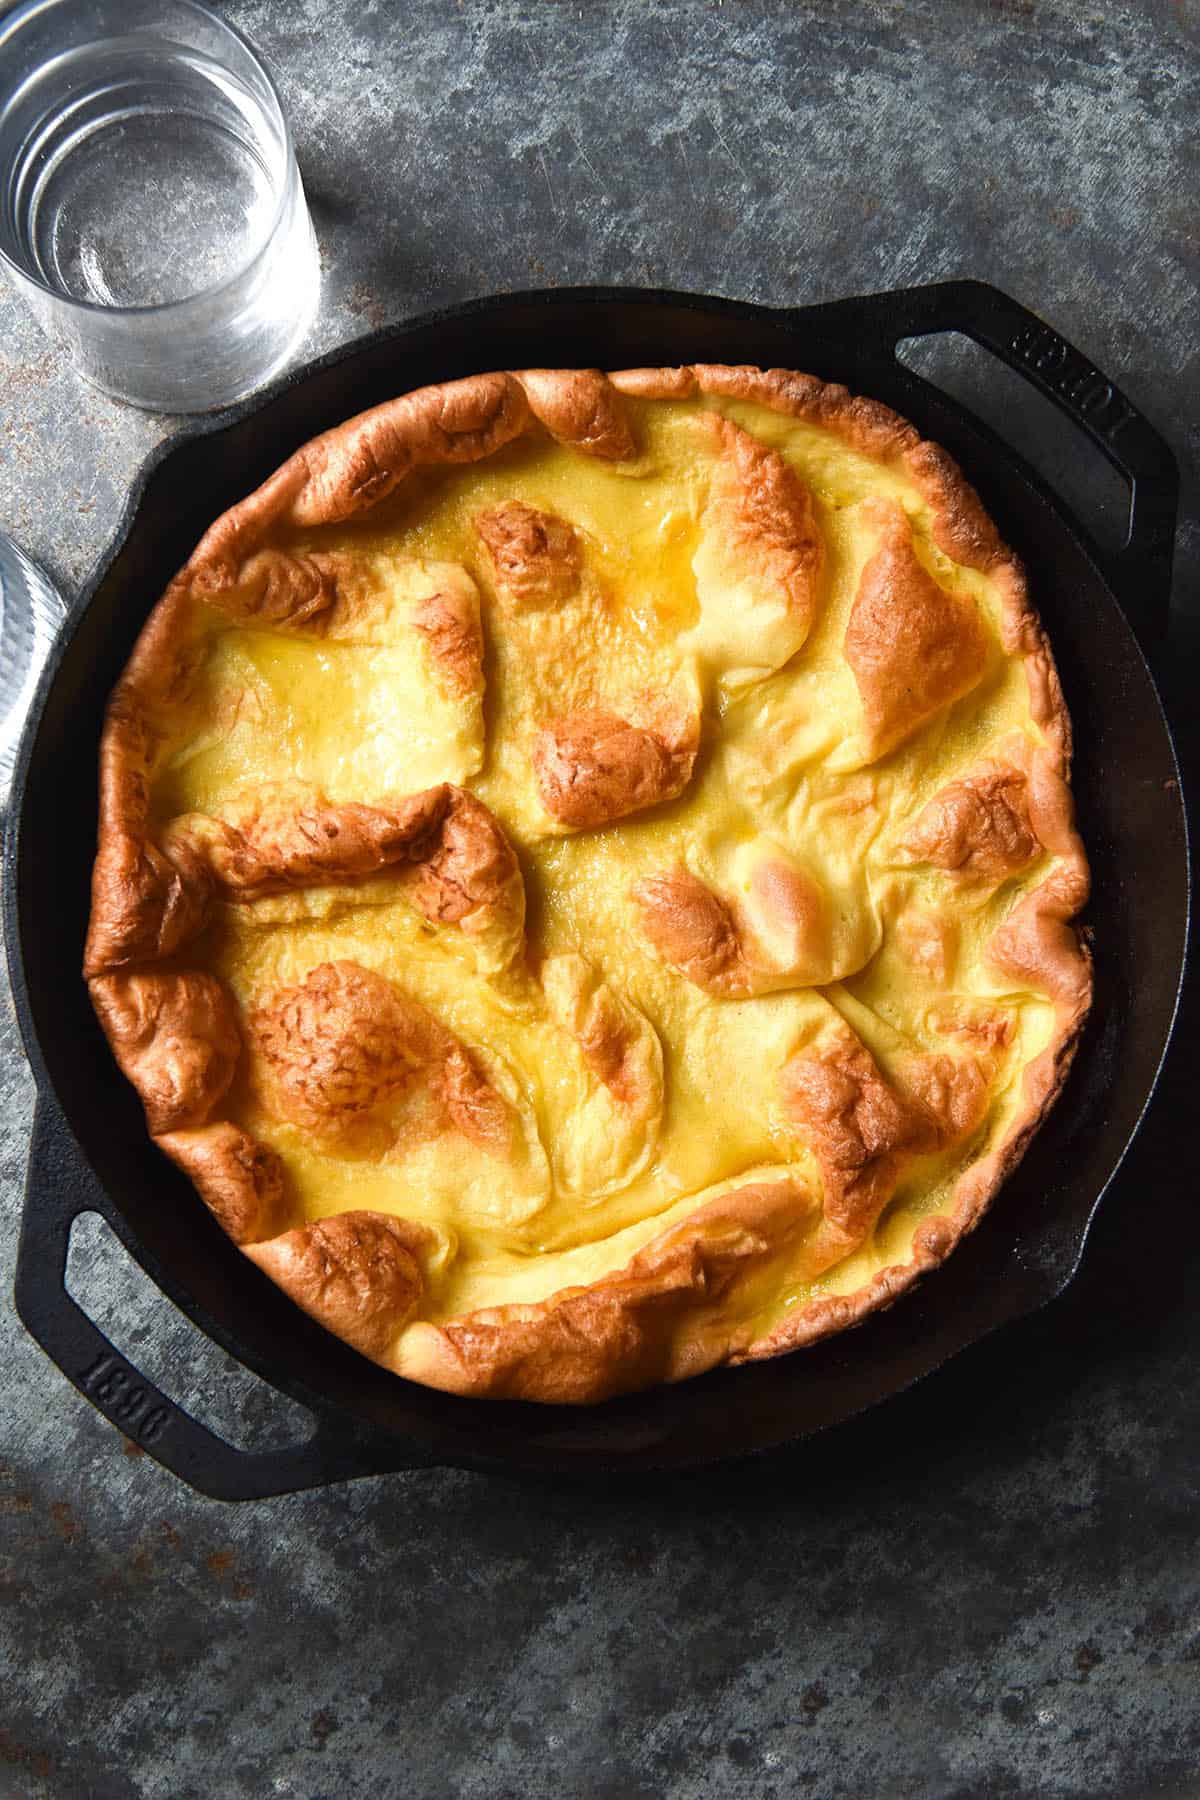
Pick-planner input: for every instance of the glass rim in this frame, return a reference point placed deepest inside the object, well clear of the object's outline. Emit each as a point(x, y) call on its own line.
point(19, 16)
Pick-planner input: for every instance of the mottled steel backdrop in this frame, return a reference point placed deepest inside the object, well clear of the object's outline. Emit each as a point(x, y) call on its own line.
point(989, 1587)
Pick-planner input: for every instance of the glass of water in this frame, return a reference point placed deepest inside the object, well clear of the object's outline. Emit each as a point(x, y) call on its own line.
point(151, 209)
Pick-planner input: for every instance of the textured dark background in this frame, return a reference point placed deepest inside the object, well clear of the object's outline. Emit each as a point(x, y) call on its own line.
point(991, 1586)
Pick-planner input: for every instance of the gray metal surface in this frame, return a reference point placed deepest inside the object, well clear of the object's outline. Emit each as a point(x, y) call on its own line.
point(992, 1587)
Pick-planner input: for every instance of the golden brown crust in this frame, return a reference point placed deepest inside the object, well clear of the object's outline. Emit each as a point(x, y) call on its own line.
point(275, 588)
point(448, 620)
point(454, 861)
point(760, 503)
point(937, 1237)
point(618, 1043)
point(241, 1181)
point(350, 1059)
point(961, 528)
point(334, 1050)
point(145, 904)
point(863, 1130)
point(912, 646)
point(735, 949)
point(663, 1317)
point(356, 465)
point(865, 425)
point(759, 561)
point(978, 827)
point(176, 1038)
point(468, 874)
point(360, 1272)
point(535, 556)
point(859, 1127)
point(580, 407)
point(593, 767)
point(694, 930)
point(1038, 945)
point(277, 843)
point(473, 1105)
point(655, 384)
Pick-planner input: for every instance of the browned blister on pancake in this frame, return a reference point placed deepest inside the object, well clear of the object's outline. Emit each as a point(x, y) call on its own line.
point(354, 467)
point(580, 407)
point(608, 1082)
point(764, 513)
point(468, 874)
point(278, 843)
point(777, 937)
point(618, 1049)
point(535, 556)
point(859, 1126)
point(274, 587)
point(473, 1105)
point(240, 1180)
point(863, 1128)
point(759, 559)
point(694, 930)
point(867, 425)
point(360, 1065)
point(978, 827)
point(146, 904)
point(1038, 945)
point(592, 767)
point(340, 1045)
point(618, 1044)
point(448, 620)
point(176, 1037)
point(358, 1273)
point(453, 861)
point(912, 645)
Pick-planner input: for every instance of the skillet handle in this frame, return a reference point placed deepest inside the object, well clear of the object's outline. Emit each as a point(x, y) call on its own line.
point(1140, 571)
point(59, 1186)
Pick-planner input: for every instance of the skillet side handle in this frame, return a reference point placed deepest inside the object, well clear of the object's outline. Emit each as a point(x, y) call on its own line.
point(1140, 570)
point(59, 1186)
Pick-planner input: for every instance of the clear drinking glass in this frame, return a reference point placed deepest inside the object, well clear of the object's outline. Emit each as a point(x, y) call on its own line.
point(151, 209)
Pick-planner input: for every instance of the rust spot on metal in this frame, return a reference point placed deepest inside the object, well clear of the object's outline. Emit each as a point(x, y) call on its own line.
point(21, 1756)
point(221, 1563)
point(813, 1700)
point(130, 1448)
point(66, 1521)
point(12, 1498)
point(172, 1536)
point(323, 1725)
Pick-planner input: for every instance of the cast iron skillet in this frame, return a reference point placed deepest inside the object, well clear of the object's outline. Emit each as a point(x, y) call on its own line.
point(90, 1149)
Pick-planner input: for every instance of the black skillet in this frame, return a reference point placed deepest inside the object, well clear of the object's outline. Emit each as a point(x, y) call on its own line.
point(90, 1150)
